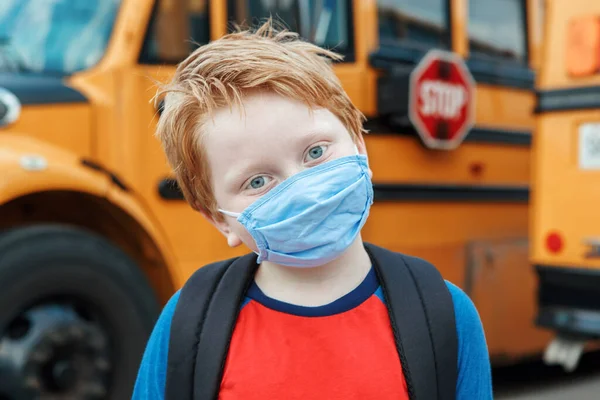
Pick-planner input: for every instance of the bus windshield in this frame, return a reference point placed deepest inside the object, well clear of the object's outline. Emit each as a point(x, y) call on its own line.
point(54, 36)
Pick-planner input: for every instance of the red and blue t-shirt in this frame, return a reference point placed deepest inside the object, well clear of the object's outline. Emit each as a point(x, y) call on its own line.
point(342, 350)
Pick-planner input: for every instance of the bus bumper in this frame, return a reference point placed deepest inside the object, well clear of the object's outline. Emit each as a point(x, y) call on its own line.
point(568, 304)
point(569, 300)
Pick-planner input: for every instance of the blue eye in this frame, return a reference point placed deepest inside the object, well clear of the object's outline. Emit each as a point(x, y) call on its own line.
point(316, 152)
point(257, 182)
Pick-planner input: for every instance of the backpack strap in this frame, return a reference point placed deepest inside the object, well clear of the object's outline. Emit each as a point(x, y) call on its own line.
point(423, 321)
point(211, 297)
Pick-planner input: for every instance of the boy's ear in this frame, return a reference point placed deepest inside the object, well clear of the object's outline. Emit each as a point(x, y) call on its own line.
point(360, 143)
point(233, 240)
point(362, 149)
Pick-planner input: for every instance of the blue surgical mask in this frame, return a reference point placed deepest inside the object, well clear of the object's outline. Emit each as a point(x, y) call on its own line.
point(312, 217)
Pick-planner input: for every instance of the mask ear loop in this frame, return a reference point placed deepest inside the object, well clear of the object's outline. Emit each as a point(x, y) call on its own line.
point(229, 213)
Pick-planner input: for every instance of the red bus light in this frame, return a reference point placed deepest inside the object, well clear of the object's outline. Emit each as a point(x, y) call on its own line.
point(554, 242)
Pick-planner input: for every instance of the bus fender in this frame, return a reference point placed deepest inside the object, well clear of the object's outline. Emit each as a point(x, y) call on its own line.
point(28, 166)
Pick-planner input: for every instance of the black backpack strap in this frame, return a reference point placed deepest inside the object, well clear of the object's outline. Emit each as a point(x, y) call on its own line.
point(212, 297)
point(422, 317)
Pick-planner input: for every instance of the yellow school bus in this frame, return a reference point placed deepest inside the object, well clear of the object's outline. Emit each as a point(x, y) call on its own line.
point(95, 235)
point(566, 180)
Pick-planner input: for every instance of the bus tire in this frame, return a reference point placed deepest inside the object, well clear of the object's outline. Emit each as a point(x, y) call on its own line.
point(75, 315)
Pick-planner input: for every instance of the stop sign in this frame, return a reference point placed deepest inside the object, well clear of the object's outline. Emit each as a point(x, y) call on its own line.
point(441, 102)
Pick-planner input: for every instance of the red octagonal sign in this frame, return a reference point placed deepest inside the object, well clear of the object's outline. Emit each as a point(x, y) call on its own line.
point(441, 100)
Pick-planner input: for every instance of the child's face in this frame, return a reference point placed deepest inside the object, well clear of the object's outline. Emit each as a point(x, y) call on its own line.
point(275, 138)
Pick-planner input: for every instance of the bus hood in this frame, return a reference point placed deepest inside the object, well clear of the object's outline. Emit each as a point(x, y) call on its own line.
point(43, 107)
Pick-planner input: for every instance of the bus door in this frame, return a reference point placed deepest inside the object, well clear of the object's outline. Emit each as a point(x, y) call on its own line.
point(566, 180)
point(174, 29)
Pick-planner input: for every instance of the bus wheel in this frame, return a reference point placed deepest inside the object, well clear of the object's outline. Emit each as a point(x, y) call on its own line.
point(75, 314)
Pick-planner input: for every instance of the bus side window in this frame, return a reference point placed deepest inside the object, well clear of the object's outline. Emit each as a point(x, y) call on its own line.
point(497, 29)
point(176, 29)
point(327, 23)
point(417, 23)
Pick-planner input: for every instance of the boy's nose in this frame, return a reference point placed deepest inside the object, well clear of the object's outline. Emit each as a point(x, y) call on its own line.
point(292, 170)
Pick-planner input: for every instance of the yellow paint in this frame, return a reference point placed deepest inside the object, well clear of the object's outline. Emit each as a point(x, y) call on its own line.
point(414, 163)
point(535, 21)
point(67, 124)
point(567, 197)
point(62, 170)
point(459, 21)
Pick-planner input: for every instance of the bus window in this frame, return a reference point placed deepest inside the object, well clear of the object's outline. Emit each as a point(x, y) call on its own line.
point(413, 22)
point(176, 29)
point(69, 35)
point(327, 23)
point(497, 29)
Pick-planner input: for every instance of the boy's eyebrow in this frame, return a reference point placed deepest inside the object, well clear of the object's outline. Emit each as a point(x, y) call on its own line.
point(236, 174)
point(312, 135)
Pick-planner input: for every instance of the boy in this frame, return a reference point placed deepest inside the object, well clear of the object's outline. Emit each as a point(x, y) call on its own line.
point(268, 147)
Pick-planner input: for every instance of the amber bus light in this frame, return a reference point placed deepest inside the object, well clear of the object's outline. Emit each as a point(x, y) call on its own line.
point(583, 46)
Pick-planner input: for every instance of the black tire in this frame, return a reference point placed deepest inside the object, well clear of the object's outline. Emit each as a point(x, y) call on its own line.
point(48, 263)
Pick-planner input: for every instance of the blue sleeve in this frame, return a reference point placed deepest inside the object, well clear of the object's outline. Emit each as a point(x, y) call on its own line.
point(152, 374)
point(474, 370)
